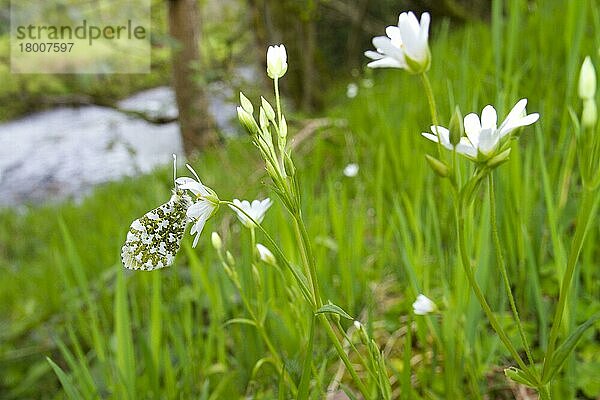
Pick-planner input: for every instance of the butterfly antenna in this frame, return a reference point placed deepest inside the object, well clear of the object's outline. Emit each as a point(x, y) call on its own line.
point(193, 172)
point(174, 169)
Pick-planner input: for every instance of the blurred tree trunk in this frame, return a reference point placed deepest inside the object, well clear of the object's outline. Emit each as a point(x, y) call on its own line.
point(258, 10)
point(195, 121)
point(353, 44)
point(308, 39)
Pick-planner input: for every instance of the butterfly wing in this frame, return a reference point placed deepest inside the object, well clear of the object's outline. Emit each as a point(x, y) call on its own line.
point(153, 240)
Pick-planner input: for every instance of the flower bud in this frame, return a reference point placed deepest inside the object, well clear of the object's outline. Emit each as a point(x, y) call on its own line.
point(256, 276)
point(246, 104)
point(288, 164)
point(438, 167)
point(265, 254)
point(499, 159)
point(264, 121)
point(276, 61)
point(589, 116)
point(268, 109)
point(247, 121)
point(456, 127)
point(587, 79)
point(229, 258)
point(362, 333)
point(216, 241)
point(283, 128)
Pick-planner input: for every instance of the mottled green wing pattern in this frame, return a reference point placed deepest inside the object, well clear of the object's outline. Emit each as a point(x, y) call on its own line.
point(153, 240)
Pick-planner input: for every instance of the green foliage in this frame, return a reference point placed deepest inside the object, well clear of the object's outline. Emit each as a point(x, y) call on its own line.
point(112, 334)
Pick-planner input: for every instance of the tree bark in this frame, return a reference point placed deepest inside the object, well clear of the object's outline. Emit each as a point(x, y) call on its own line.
point(196, 123)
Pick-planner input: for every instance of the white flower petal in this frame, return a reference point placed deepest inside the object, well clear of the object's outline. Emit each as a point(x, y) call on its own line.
point(466, 148)
point(488, 140)
point(424, 32)
point(423, 305)
point(489, 118)
point(472, 128)
point(384, 45)
point(387, 62)
point(373, 55)
point(393, 32)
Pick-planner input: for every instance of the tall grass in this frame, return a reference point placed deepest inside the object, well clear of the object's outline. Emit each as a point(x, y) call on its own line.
point(168, 334)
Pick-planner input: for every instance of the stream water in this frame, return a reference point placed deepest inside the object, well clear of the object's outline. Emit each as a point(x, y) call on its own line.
point(64, 152)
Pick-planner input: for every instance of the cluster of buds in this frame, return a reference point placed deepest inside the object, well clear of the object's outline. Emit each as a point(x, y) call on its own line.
point(270, 133)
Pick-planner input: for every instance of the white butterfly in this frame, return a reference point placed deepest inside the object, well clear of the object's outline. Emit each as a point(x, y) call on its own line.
point(153, 240)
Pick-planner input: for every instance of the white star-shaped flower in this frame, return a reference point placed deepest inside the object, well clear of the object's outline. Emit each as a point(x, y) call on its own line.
point(256, 210)
point(483, 135)
point(423, 305)
point(405, 45)
point(265, 254)
point(205, 205)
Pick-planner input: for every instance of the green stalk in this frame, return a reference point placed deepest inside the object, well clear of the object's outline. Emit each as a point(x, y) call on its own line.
point(432, 107)
point(502, 265)
point(430, 97)
point(587, 210)
point(308, 258)
point(342, 354)
point(307, 254)
point(460, 221)
point(544, 392)
point(258, 324)
point(297, 275)
point(276, 84)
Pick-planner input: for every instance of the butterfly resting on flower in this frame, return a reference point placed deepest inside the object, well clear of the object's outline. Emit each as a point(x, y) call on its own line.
point(153, 240)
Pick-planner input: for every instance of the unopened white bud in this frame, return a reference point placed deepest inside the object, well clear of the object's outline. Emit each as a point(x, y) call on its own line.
point(265, 254)
point(587, 79)
point(276, 61)
point(216, 241)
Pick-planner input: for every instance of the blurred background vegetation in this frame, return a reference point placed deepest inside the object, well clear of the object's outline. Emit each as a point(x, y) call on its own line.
point(63, 293)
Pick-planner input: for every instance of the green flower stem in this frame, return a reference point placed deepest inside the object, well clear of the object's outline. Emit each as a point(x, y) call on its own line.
point(460, 222)
point(308, 295)
point(277, 102)
point(587, 210)
point(544, 392)
point(432, 107)
point(300, 280)
point(258, 324)
point(308, 258)
point(502, 265)
point(342, 354)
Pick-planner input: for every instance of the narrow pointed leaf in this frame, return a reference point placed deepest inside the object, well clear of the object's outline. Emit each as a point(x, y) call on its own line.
point(333, 309)
point(561, 354)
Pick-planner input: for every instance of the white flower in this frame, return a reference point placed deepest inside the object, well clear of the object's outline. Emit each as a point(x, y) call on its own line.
point(276, 61)
point(483, 136)
point(265, 254)
point(405, 45)
point(351, 90)
point(423, 305)
point(351, 170)
point(256, 210)
point(206, 204)
point(587, 80)
point(216, 241)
